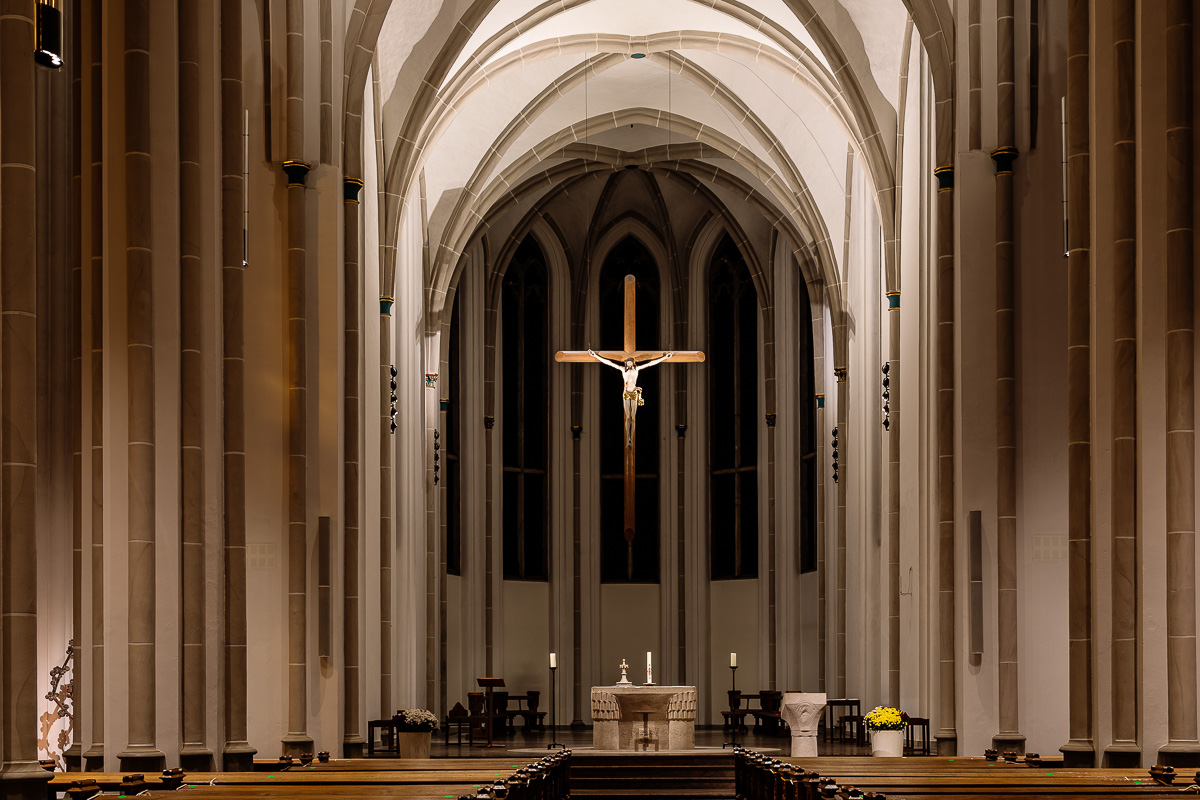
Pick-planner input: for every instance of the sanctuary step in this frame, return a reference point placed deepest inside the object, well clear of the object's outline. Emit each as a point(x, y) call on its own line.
point(696, 775)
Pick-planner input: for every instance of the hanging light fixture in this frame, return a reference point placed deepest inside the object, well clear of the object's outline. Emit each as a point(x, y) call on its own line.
point(47, 36)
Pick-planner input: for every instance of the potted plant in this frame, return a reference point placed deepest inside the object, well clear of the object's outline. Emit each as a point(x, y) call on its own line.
point(414, 728)
point(886, 725)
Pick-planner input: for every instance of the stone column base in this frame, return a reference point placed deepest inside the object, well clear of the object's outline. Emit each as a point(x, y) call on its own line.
point(1078, 754)
point(93, 759)
point(1123, 756)
point(238, 757)
point(1180, 754)
point(352, 746)
point(146, 760)
point(23, 780)
point(1003, 742)
point(947, 742)
point(73, 757)
point(297, 744)
point(196, 759)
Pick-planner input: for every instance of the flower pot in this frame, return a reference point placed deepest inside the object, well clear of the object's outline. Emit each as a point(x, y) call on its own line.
point(413, 744)
point(887, 743)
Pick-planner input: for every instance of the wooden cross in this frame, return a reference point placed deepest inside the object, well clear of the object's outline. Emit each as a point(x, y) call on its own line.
point(629, 357)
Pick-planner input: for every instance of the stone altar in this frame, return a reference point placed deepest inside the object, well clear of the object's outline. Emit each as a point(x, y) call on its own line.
point(802, 711)
point(644, 717)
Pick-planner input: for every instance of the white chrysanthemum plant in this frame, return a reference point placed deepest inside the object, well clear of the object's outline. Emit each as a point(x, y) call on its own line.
point(414, 720)
point(886, 718)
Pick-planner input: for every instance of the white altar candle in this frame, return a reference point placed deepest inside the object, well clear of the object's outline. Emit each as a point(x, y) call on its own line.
point(553, 661)
point(733, 659)
point(649, 678)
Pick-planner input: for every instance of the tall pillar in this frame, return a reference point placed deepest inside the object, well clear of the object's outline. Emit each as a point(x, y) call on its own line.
point(893, 540)
point(1080, 751)
point(1007, 620)
point(73, 756)
point(1182, 748)
point(843, 418)
point(20, 776)
point(194, 753)
point(1124, 751)
point(352, 740)
point(385, 512)
point(141, 753)
point(297, 740)
point(94, 755)
point(236, 753)
point(947, 733)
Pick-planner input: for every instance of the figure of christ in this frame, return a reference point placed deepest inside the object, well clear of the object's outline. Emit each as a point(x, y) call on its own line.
point(632, 393)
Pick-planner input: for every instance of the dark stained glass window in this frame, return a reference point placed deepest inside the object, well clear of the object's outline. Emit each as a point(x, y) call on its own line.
point(525, 410)
point(733, 414)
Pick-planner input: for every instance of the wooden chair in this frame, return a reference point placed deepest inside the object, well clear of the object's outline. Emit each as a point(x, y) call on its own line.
point(500, 717)
point(458, 717)
point(911, 743)
point(770, 703)
point(531, 717)
point(735, 717)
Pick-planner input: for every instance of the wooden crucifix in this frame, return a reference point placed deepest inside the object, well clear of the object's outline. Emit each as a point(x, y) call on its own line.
point(630, 362)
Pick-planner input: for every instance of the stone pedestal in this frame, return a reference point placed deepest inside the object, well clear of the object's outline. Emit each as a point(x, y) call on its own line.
point(802, 712)
point(644, 717)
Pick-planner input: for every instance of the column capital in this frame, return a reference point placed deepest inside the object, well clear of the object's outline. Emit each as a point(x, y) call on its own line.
point(945, 177)
point(350, 189)
point(297, 172)
point(1004, 158)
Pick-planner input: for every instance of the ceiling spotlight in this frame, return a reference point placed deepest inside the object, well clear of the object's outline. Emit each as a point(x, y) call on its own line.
point(47, 45)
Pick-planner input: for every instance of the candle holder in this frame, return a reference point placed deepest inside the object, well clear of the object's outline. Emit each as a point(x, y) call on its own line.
point(553, 718)
point(733, 718)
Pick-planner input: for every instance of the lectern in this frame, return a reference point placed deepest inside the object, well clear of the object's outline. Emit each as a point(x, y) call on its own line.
point(490, 684)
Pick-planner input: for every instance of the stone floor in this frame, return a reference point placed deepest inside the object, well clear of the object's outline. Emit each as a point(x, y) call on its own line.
point(582, 738)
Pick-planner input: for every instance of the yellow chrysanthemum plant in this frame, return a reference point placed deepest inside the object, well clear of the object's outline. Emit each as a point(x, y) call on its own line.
point(886, 718)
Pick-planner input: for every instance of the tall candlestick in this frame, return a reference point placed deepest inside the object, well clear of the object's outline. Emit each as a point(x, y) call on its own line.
point(733, 659)
point(553, 661)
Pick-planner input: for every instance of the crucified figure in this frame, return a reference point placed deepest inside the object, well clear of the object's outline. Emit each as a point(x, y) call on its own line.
point(632, 394)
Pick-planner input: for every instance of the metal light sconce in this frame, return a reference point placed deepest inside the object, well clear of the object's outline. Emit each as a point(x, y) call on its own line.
point(887, 402)
point(392, 410)
point(47, 35)
point(835, 455)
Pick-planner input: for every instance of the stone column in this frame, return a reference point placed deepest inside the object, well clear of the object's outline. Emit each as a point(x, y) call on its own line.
point(843, 418)
point(1182, 749)
point(385, 511)
point(141, 754)
point(73, 756)
point(297, 740)
point(893, 541)
point(236, 752)
point(20, 776)
point(947, 734)
point(194, 753)
point(1080, 751)
point(1124, 750)
point(816, 298)
point(802, 712)
point(1007, 621)
point(94, 755)
point(352, 740)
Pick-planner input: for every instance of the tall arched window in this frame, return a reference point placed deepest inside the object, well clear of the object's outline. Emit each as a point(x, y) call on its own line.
point(451, 450)
point(525, 409)
point(807, 408)
point(635, 562)
point(733, 418)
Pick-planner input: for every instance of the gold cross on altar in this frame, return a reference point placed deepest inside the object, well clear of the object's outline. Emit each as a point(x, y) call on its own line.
point(630, 362)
